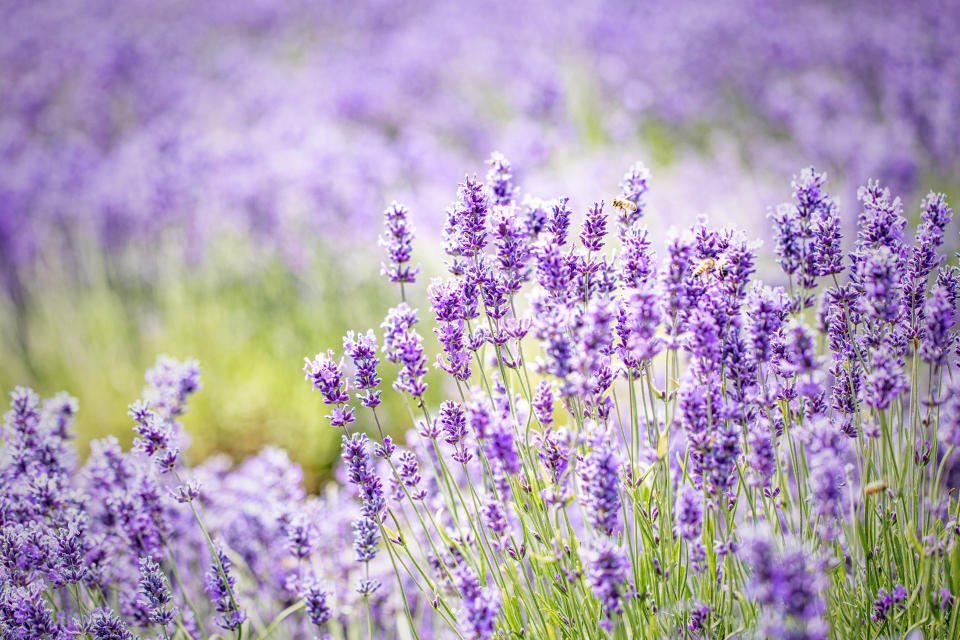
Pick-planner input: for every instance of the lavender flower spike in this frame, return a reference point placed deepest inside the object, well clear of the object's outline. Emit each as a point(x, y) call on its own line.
point(397, 238)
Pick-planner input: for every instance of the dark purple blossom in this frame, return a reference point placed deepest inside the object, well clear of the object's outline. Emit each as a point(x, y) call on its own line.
point(360, 472)
point(316, 597)
point(326, 375)
point(594, 228)
point(361, 348)
point(156, 592)
point(558, 224)
point(220, 584)
point(397, 238)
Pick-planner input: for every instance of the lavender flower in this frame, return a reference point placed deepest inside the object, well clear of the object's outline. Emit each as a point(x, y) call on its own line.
point(301, 536)
point(156, 592)
point(397, 238)
point(494, 519)
point(362, 350)
point(636, 260)
point(606, 574)
point(105, 625)
point(633, 187)
point(480, 605)
point(558, 223)
point(543, 403)
point(366, 537)
point(316, 597)
point(938, 336)
point(454, 424)
point(219, 584)
point(500, 179)
point(326, 375)
point(688, 514)
point(409, 472)
point(471, 208)
point(599, 484)
point(788, 580)
point(361, 474)
point(594, 228)
point(886, 601)
point(513, 247)
point(761, 453)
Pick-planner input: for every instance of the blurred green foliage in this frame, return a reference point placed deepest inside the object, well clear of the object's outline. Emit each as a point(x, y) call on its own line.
point(92, 331)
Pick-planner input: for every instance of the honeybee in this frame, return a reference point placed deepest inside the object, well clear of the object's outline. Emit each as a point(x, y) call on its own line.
point(624, 204)
point(705, 265)
point(875, 487)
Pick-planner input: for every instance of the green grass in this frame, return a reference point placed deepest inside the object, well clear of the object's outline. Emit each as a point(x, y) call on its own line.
point(249, 321)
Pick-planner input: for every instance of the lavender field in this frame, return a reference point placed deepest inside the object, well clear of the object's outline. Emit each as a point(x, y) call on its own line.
point(618, 320)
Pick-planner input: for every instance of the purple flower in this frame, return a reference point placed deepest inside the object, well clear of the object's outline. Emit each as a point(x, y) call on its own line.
point(543, 403)
point(594, 228)
point(637, 324)
point(688, 514)
point(361, 474)
point(397, 238)
point(512, 242)
point(301, 536)
point(104, 624)
point(558, 223)
point(362, 349)
point(881, 222)
point(938, 336)
point(480, 605)
point(326, 375)
point(606, 567)
point(500, 179)
point(454, 424)
point(886, 379)
point(886, 601)
point(409, 353)
point(219, 585)
point(400, 319)
point(494, 519)
point(800, 349)
point(786, 580)
point(446, 299)
point(553, 271)
point(879, 272)
point(471, 209)
point(24, 614)
point(169, 384)
point(554, 452)
point(761, 453)
point(599, 483)
point(633, 187)
point(949, 424)
point(366, 537)
point(316, 596)
point(408, 468)
point(765, 311)
point(636, 260)
point(156, 592)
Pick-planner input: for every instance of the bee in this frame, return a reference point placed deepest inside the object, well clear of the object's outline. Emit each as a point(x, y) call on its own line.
point(875, 487)
point(705, 266)
point(624, 204)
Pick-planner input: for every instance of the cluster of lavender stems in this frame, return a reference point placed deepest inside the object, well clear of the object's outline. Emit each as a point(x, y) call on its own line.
point(625, 446)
